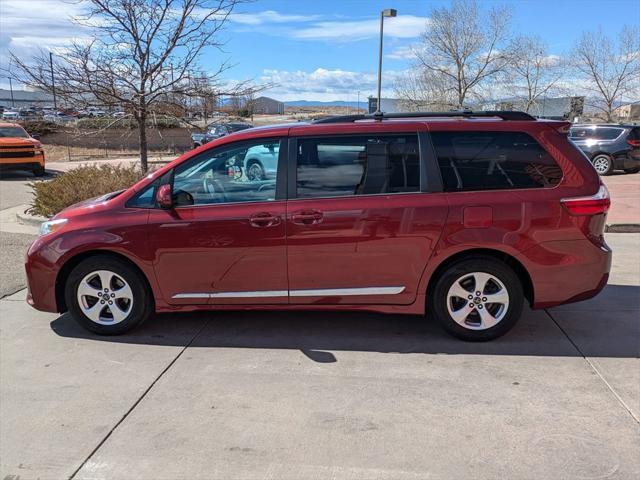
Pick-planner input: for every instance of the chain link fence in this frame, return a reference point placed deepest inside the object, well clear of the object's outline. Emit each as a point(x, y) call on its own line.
point(75, 145)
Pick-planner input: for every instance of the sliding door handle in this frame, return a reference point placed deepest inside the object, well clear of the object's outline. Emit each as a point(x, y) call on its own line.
point(264, 219)
point(307, 217)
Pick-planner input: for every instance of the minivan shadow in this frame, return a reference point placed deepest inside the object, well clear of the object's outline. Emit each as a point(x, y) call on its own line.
point(317, 334)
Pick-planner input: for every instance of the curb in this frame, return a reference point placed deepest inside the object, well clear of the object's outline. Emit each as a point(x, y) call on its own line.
point(28, 219)
point(623, 228)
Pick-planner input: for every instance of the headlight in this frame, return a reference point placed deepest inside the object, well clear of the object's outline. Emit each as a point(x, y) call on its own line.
point(52, 226)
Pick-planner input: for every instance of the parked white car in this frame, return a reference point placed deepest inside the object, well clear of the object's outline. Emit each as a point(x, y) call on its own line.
point(11, 115)
point(59, 117)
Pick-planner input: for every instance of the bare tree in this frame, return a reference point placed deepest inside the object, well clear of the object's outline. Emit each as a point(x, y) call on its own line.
point(462, 46)
point(611, 73)
point(421, 89)
point(532, 72)
point(144, 53)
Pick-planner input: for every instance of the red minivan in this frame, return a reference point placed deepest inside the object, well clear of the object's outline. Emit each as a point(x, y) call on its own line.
point(462, 216)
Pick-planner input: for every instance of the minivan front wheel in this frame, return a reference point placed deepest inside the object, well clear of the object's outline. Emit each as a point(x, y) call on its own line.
point(107, 296)
point(478, 299)
point(603, 164)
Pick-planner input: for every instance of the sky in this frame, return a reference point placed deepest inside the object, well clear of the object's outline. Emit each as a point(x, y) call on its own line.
point(322, 50)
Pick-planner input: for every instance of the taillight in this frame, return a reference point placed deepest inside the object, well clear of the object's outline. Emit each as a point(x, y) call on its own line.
point(592, 205)
point(634, 143)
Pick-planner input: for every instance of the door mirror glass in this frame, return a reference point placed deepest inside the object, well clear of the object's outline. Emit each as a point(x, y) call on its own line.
point(163, 196)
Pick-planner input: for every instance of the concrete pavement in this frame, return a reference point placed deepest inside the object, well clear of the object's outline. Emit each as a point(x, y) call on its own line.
point(315, 395)
point(12, 249)
point(625, 198)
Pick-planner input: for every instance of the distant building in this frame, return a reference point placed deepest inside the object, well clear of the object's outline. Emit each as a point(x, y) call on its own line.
point(628, 113)
point(389, 105)
point(267, 106)
point(557, 108)
point(24, 98)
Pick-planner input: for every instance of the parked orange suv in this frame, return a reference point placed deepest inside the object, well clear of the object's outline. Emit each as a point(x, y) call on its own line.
point(19, 150)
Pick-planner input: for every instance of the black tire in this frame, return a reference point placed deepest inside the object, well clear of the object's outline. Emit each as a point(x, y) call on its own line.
point(438, 300)
point(255, 171)
point(603, 164)
point(38, 171)
point(142, 305)
point(631, 170)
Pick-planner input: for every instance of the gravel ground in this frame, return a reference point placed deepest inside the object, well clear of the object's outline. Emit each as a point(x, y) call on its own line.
point(12, 249)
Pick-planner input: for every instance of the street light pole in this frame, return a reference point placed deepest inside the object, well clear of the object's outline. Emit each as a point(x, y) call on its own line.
point(11, 89)
point(53, 85)
point(389, 12)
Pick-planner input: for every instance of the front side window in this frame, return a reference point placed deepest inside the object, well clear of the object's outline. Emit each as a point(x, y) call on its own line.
point(493, 161)
point(357, 165)
point(240, 172)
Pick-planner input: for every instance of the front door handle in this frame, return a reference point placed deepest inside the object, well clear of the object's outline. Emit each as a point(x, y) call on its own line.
point(307, 217)
point(264, 219)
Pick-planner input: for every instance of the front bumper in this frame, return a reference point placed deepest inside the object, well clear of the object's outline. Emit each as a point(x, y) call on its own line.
point(41, 279)
point(22, 163)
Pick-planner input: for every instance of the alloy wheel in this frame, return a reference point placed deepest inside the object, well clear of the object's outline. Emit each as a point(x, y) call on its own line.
point(601, 164)
point(477, 301)
point(255, 172)
point(105, 297)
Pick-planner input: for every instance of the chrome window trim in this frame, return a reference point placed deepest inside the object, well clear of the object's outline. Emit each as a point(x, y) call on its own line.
point(320, 292)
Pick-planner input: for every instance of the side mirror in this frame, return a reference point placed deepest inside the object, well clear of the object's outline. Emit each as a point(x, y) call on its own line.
point(164, 196)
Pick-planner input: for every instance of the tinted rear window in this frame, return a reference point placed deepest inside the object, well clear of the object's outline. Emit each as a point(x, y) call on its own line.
point(493, 161)
point(357, 165)
point(599, 133)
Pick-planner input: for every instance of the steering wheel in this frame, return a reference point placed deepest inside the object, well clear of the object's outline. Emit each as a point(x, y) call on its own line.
point(267, 186)
point(214, 189)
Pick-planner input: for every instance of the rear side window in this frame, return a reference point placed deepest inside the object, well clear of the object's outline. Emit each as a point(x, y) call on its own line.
point(357, 165)
point(598, 133)
point(493, 161)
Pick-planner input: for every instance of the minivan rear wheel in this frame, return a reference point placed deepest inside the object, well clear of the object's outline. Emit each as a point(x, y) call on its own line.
point(477, 299)
point(107, 296)
point(603, 164)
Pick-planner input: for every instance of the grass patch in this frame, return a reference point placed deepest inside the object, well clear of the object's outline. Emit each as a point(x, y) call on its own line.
point(80, 184)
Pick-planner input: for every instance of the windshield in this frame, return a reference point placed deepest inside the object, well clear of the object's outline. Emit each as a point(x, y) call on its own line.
point(13, 132)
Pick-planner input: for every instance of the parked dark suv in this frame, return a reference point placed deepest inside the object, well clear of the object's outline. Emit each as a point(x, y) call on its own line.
point(463, 216)
point(217, 130)
point(609, 147)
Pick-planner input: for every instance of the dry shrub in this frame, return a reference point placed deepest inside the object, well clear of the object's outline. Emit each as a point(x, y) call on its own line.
point(82, 183)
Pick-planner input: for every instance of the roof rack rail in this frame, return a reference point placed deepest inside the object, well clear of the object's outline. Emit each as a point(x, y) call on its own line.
point(504, 115)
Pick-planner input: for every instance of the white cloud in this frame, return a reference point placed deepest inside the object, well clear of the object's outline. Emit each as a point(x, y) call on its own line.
point(269, 16)
point(325, 85)
point(404, 26)
point(405, 52)
point(39, 24)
